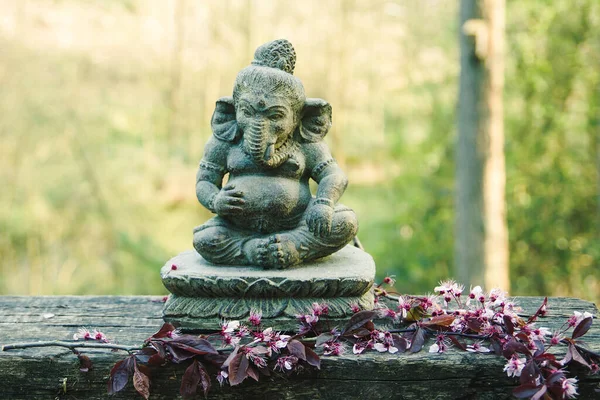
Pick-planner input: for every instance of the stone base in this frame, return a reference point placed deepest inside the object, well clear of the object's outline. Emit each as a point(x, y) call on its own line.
point(204, 294)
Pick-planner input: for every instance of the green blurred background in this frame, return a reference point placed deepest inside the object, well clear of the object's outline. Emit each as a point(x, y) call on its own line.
point(105, 108)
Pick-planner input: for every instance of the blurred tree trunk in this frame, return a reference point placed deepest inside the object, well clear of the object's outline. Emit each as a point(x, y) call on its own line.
point(481, 244)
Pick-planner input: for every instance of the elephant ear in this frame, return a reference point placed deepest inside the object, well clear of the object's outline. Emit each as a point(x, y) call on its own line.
point(223, 122)
point(316, 120)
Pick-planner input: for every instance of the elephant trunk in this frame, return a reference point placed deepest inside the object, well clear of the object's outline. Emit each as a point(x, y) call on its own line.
point(256, 143)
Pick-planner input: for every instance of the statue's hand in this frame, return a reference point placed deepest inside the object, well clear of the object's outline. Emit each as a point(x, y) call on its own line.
point(229, 201)
point(319, 219)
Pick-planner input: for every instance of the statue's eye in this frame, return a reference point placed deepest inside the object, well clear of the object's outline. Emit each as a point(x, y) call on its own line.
point(246, 112)
point(275, 117)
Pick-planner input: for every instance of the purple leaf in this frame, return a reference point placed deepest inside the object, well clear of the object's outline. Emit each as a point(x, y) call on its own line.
point(204, 379)
point(540, 348)
point(458, 343)
point(361, 333)
point(555, 377)
point(526, 390)
point(513, 347)
point(312, 358)
point(231, 356)
point(190, 381)
point(178, 355)
point(540, 393)
point(119, 375)
point(574, 355)
point(474, 325)
point(400, 343)
point(297, 349)
point(582, 328)
point(443, 321)
point(253, 373)
point(164, 331)
point(141, 381)
point(159, 358)
point(238, 369)
point(359, 319)
point(529, 373)
point(193, 344)
point(496, 346)
point(417, 341)
point(322, 338)
point(510, 327)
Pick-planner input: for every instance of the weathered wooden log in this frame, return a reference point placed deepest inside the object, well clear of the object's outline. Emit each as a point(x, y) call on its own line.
point(53, 372)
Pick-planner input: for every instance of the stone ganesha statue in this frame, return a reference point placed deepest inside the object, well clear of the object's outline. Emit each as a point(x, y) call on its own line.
point(269, 138)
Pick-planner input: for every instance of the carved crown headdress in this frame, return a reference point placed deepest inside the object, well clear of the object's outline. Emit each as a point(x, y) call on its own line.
point(278, 54)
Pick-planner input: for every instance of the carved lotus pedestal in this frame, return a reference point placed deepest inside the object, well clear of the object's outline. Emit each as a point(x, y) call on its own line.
point(205, 294)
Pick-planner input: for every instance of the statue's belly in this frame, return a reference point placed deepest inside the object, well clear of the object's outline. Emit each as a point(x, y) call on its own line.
point(272, 203)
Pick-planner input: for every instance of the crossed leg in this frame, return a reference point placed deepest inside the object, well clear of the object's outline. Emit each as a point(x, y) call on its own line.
point(220, 243)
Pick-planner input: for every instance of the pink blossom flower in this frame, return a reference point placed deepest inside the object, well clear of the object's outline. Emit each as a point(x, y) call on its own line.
point(309, 319)
point(388, 313)
point(86, 334)
point(222, 377)
point(359, 347)
point(569, 388)
point(230, 340)
point(390, 280)
point(404, 306)
point(445, 287)
point(540, 334)
point(476, 293)
point(173, 334)
point(458, 325)
point(435, 348)
point(243, 331)
point(82, 333)
point(267, 334)
point(257, 358)
point(497, 296)
point(428, 301)
point(333, 348)
point(355, 308)
point(320, 309)
point(282, 341)
point(99, 336)
point(556, 338)
point(385, 343)
point(440, 345)
point(514, 366)
point(577, 317)
point(255, 318)
point(476, 347)
point(229, 327)
point(383, 347)
point(287, 363)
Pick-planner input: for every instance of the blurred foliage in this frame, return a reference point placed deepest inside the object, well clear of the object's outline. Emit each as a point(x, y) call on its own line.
point(106, 106)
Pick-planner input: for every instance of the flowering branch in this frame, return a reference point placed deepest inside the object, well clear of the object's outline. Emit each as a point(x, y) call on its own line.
point(479, 322)
point(70, 345)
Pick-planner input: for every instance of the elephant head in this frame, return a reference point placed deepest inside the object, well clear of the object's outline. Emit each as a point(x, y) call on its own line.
point(269, 124)
point(269, 109)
